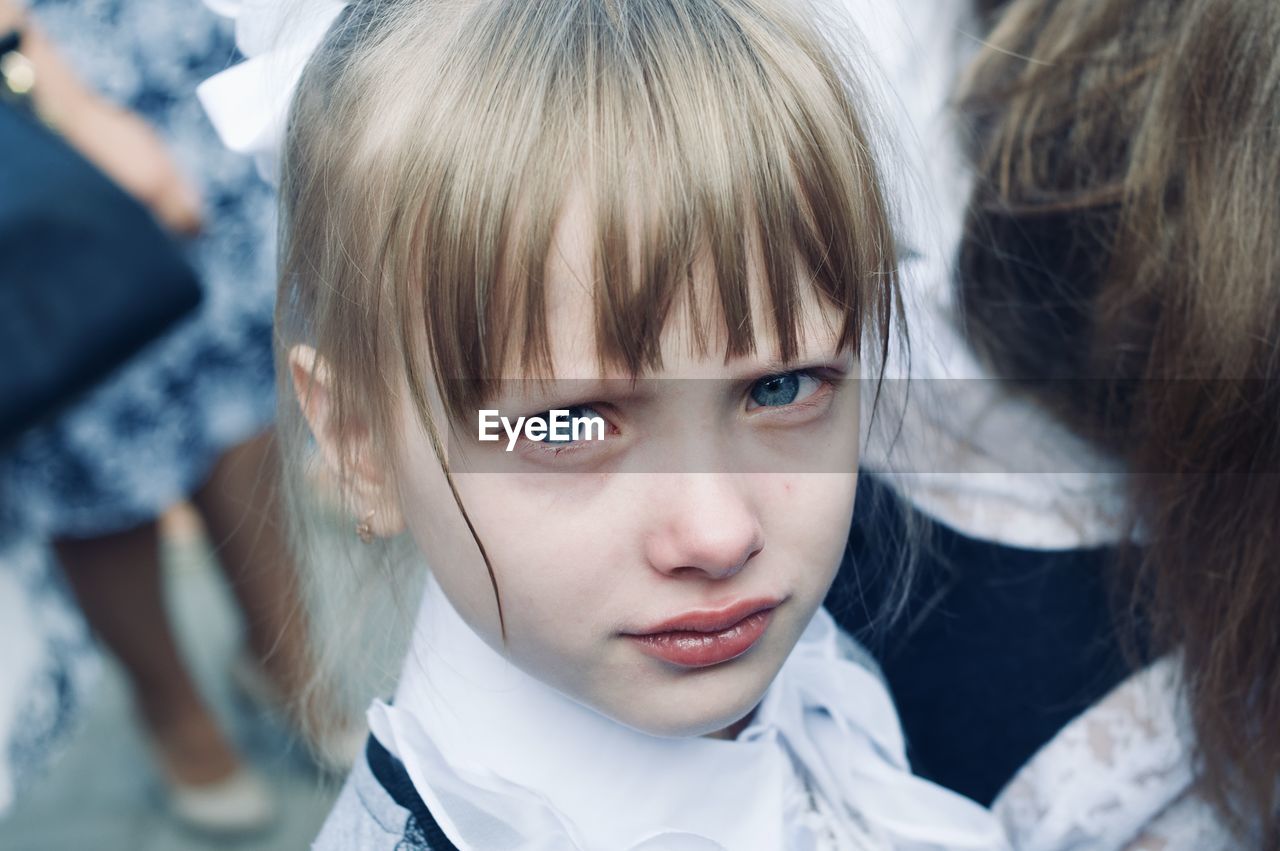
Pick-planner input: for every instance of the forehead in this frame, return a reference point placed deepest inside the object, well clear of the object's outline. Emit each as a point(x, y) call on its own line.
point(694, 340)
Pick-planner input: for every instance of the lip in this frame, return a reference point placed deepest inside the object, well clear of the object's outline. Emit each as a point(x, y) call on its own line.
point(708, 637)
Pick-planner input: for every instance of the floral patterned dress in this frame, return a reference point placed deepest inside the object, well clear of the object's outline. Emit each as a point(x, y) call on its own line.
point(148, 435)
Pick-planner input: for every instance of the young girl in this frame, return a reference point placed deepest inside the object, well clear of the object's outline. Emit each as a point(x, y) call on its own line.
point(661, 215)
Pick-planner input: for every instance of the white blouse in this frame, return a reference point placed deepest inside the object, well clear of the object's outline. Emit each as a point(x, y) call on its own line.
point(504, 761)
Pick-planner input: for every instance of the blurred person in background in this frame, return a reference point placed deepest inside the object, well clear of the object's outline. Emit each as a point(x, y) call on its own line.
point(189, 418)
point(1119, 264)
point(1090, 643)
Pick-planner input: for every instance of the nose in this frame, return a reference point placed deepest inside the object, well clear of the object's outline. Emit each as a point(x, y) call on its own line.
point(705, 527)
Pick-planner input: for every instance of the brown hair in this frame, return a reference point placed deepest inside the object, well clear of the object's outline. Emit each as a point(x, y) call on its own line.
point(1122, 258)
point(434, 144)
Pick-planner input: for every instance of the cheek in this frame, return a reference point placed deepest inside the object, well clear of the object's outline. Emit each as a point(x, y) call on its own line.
point(545, 549)
point(554, 549)
point(564, 562)
point(810, 514)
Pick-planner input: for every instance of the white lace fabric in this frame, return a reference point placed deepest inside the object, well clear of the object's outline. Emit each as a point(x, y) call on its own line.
point(1119, 777)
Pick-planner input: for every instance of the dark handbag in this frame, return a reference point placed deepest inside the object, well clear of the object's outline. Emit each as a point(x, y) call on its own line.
point(87, 276)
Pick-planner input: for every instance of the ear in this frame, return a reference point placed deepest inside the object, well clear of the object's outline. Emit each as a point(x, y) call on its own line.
point(347, 448)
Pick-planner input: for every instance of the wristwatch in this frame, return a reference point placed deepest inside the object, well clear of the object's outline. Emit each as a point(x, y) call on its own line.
point(17, 74)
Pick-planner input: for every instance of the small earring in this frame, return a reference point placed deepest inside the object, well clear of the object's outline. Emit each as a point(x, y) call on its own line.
point(364, 529)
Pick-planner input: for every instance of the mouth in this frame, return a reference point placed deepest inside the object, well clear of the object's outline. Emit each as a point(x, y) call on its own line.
point(701, 639)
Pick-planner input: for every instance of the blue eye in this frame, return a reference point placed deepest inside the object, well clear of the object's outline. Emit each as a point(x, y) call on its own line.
point(577, 413)
point(778, 391)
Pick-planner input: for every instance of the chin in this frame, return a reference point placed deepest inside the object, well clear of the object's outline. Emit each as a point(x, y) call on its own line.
point(704, 703)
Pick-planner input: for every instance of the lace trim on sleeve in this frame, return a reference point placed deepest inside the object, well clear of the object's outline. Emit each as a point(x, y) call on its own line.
point(1118, 777)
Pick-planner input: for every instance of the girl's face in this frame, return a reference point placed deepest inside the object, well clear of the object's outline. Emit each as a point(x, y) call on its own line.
point(663, 574)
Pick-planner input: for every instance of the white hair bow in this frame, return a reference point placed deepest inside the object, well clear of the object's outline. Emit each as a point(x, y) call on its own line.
point(249, 102)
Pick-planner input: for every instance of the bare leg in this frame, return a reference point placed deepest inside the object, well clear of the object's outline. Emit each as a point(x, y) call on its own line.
point(240, 505)
point(117, 581)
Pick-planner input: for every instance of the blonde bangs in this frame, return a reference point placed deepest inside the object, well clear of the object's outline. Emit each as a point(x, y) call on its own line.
point(720, 135)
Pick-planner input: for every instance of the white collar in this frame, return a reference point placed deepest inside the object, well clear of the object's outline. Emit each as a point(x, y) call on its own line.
point(504, 761)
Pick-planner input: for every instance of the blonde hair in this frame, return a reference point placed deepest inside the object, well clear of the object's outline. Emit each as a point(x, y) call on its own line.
point(433, 144)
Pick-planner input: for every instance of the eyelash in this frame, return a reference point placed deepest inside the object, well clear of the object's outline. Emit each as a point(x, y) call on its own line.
point(543, 450)
point(546, 448)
